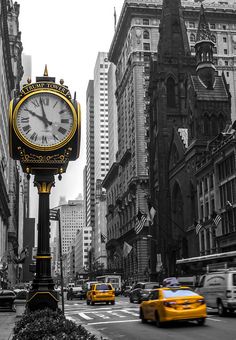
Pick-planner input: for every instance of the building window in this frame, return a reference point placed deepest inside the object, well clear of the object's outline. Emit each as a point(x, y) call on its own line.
point(224, 39)
point(192, 37)
point(212, 26)
point(192, 24)
point(226, 63)
point(146, 35)
point(146, 46)
point(145, 21)
point(224, 27)
point(171, 92)
point(225, 51)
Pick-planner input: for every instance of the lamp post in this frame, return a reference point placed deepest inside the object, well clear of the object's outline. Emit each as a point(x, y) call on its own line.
point(55, 216)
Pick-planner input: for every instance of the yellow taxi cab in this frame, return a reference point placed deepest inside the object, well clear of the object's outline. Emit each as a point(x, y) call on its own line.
point(173, 304)
point(101, 292)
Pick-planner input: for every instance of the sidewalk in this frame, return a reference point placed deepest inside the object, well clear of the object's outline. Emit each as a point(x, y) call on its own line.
point(7, 323)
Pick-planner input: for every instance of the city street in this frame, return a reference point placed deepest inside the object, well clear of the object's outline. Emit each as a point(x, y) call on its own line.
point(121, 321)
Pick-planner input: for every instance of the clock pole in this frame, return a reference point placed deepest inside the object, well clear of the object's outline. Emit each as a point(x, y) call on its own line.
point(42, 293)
point(44, 136)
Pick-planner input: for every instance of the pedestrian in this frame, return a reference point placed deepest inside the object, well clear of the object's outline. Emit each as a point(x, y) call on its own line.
point(70, 294)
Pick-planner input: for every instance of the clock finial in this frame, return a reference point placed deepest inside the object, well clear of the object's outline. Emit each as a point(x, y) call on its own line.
point(45, 71)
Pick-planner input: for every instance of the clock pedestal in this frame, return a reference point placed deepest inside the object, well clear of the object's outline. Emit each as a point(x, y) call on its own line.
point(42, 293)
point(44, 135)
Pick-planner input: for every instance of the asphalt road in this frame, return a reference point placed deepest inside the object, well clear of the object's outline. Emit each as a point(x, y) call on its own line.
point(121, 321)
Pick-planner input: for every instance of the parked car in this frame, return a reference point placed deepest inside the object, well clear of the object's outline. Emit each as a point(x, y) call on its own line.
point(101, 292)
point(127, 290)
point(219, 290)
point(173, 304)
point(7, 298)
point(141, 290)
point(78, 293)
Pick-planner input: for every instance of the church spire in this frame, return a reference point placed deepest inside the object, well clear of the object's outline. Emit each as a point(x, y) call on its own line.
point(204, 52)
point(173, 36)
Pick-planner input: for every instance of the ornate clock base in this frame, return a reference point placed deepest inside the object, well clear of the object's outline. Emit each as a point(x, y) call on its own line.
point(39, 299)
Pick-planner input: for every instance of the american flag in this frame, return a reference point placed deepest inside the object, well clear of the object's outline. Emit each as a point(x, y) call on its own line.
point(141, 221)
point(217, 219)
point(198, 228)
point(103, 238)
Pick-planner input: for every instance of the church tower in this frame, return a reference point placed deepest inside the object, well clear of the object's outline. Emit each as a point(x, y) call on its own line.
point(169, 83)
point(206, 70)
point(210, 104)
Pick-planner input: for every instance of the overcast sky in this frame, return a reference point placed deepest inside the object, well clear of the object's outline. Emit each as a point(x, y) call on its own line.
point(67, 36)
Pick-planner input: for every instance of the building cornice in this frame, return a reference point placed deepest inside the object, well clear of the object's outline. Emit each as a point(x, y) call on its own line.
point(111, 175)
point(6, 46)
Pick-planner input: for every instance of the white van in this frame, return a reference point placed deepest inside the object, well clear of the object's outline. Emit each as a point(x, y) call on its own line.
point(219, 290)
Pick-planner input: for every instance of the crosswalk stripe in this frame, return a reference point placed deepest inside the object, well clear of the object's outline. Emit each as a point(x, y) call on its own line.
point(86, 317)
point(115, 314)
point(129, 312)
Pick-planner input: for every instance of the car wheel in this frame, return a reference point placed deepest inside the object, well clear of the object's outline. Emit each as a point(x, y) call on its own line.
point(141, 315)
point(88, 302)
point(158, 322)
point(92, 303)
point(221, 309)
point(201, 322)
point(112, 302)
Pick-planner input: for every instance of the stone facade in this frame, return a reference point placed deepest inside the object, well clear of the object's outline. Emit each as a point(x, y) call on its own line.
point(10, 75)
point(127, 183)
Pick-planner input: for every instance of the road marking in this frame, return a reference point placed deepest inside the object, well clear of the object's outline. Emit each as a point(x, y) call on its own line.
point(115, 313)
point(115, 321)
point(101, 316)
point(129, 312)
point(86, 317)
point(210, 318)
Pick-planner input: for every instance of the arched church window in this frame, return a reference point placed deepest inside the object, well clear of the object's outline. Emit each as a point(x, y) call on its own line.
point(221, 123)
point(146, 35)
point(171, 92)
point(214, 125)
point(206, 125)
point(192, 37)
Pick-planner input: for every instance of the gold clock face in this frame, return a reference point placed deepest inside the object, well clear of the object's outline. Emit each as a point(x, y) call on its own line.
point(44, 120)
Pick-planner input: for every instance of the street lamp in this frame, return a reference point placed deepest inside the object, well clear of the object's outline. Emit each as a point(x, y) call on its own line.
point(55, 216)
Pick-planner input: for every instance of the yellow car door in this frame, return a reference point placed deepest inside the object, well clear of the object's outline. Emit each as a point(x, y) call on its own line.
point(152, 304)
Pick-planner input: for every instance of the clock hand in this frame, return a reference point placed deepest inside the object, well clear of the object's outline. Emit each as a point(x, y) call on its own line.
point(46, 121)
point(34, 114)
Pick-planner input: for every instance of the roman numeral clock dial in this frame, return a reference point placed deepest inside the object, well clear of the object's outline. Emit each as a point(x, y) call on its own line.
point(45, 120)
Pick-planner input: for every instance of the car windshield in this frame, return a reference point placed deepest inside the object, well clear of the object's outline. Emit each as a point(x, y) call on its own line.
point(103, 287)
point(177, 293)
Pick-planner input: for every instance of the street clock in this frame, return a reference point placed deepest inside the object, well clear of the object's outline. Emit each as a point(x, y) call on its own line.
point(44, 126)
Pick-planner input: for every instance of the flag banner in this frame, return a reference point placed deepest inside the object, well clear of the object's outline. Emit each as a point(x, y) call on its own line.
point(103, 238)
point(152, 214)
point(228, 205)
point(126, 249)
point(141, 221)
point(54, 214)
point(159, 263)
point(198, 228)
point(217, 219)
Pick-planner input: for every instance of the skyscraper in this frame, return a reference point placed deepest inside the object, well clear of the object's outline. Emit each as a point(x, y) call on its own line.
point(101, 149)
